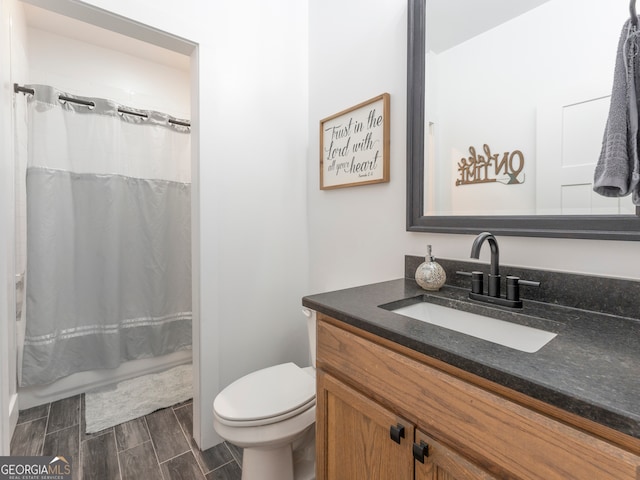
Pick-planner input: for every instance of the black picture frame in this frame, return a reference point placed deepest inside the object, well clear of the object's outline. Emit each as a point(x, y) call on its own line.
point(602, 227)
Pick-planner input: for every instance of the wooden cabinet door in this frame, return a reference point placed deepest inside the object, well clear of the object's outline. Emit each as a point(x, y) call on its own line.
point(442, 463)
point(354, 436)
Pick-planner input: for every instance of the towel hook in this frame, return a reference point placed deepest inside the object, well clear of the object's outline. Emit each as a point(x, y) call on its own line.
point(632, 10)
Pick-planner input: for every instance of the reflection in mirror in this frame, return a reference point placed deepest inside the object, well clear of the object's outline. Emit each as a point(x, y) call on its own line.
point(506, 124)
point(516, 109)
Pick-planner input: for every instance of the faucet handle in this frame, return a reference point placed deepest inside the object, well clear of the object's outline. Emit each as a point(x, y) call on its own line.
point(513, 286)
point(477, 280)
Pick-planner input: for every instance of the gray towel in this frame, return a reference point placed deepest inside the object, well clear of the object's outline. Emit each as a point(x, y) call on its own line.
point(618, 169)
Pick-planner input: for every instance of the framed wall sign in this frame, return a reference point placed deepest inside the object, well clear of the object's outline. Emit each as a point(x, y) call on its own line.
point(354, 145)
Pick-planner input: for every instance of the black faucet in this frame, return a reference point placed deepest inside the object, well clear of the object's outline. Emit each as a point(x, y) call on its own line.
point(512, 298)
point(494, 276)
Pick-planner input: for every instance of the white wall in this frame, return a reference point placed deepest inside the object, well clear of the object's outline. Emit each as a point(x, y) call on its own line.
point(357, 50)
point(357, 235)
point(82, 68)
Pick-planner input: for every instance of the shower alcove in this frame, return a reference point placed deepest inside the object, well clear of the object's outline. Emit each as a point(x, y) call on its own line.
point(86, 60)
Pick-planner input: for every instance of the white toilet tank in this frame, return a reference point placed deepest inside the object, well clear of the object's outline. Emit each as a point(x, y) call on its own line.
point(311, 330)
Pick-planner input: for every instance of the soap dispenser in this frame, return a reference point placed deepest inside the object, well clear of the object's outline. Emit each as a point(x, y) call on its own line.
point(430, 275)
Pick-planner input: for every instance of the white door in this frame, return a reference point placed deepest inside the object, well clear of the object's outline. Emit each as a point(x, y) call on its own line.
point(568, 142)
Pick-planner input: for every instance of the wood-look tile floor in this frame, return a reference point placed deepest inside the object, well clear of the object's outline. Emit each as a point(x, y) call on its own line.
point(156, 446)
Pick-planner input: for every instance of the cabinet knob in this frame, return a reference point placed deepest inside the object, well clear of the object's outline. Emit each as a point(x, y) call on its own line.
point(420, 451)
point(396, 432)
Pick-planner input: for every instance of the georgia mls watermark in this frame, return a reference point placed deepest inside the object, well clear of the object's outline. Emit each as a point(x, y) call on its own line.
point(35, 468)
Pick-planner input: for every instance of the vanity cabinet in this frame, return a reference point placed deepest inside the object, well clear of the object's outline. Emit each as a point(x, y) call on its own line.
point(365, 441)
point(369, 387)
point(358, 443)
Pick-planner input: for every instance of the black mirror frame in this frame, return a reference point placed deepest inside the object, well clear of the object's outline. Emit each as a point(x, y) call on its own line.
point(602, 227)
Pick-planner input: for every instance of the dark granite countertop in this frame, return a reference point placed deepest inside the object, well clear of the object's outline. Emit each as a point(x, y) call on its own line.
point(591, 368)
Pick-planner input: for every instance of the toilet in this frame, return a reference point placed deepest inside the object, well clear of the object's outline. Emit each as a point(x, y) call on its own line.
point(271, 414)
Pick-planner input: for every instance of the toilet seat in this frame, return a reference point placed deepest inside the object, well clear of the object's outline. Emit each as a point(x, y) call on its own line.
point(267, 396)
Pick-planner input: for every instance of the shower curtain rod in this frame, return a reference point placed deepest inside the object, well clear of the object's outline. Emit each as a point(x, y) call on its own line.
point(20, 89)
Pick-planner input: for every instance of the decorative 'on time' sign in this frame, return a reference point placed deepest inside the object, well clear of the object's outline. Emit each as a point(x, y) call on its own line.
point(477, 168)
point(354, 145)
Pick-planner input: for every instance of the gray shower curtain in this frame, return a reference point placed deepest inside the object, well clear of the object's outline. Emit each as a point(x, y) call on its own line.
point(108, 236)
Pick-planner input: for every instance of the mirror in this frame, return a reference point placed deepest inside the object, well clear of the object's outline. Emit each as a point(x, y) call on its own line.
point(518, 202)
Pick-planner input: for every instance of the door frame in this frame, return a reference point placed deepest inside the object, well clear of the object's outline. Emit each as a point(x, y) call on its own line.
point(126, 26)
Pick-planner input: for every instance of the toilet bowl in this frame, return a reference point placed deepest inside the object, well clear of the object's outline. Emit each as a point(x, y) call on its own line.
point(270, 413)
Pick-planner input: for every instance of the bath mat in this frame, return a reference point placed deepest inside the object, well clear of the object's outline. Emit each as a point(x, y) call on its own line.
point(114, 404)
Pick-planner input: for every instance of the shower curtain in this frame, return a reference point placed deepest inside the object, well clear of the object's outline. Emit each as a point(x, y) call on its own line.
point(108, 236)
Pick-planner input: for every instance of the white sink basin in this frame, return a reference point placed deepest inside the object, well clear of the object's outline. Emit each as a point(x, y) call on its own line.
point(512, 335)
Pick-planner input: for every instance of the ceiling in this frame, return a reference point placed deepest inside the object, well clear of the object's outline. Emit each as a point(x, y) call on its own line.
point(451, 22)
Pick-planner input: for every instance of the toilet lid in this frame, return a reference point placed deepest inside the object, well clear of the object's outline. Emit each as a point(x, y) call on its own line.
point(267, 393)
